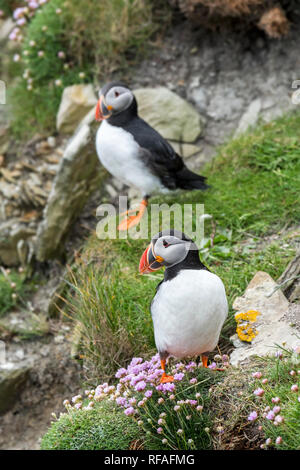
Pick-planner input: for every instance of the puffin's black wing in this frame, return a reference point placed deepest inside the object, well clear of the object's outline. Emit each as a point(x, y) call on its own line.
point(161, 159)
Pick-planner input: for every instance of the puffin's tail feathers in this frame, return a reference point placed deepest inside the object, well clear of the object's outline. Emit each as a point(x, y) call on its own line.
point(186, 179)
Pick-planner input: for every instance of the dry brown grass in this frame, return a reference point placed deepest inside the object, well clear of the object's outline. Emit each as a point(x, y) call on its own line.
point(231, 401)
point(274, 23)
point(217, 14)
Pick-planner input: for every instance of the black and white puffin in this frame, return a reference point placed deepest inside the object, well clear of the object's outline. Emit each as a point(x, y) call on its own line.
point(190, 304)
point(135, 153)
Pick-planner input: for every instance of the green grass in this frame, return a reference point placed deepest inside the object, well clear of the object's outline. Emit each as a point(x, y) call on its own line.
point(12, 290)
point(102, 428)
point(280, 381)
point(255, 193)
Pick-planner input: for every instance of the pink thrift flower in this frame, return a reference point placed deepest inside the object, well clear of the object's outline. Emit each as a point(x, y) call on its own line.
point(279, 419)
point(148, 394)
point(257, 375)
point(294, 388)
point(21, 21)
point(259, 392)
point(252, 416)
point(270, 415)
point(275, 400)
point(121, 373)
point(159, 430)
point(179, 376)
point(33, 5)
point(121, 401)
point(276, 409)
point(140, 386)
point(129, 411)
point(278, 440)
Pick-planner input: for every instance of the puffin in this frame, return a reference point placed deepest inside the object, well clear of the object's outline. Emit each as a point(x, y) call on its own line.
point(190, 304)
point(135, 153)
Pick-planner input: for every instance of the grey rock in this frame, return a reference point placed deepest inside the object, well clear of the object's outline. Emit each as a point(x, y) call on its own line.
point(12, 378)
point(6, 27)
point(79, 174)
point(249, 118)
point(185, 150)
point(11, 232)
point(172, 116)
point(76, 101)
point(273, 329)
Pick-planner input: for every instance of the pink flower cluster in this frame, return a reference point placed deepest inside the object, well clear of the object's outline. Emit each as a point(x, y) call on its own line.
point(138, 382)
point(22, 15)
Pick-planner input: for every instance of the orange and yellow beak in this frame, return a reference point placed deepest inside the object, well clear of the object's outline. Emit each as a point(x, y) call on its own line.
point(149, 262)
point(102, 110)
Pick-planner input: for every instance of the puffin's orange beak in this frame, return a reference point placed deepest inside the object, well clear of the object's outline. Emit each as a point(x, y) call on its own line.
point(102, 111)
point(149, 262)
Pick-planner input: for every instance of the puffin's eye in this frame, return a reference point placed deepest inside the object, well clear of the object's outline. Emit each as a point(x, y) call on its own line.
point(166, 244)
point(117, 94)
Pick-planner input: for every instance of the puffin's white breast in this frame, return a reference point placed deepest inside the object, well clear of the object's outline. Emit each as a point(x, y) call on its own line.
point(119, 154)
point(188, 313)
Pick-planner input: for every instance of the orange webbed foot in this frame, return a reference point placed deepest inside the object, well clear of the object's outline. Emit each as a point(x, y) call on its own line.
point(166, 378)
point(133, 220)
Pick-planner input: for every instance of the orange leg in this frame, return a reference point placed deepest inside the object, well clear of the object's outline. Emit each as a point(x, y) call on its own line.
point(204, 360)
point(133, 220)
point(165, 378)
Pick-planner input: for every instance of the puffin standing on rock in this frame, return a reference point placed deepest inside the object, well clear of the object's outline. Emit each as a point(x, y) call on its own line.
point(135, 153)
point(190, 304)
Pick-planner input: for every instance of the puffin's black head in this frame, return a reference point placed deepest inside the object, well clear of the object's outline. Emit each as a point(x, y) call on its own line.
point(114, 98)
point(168, 248)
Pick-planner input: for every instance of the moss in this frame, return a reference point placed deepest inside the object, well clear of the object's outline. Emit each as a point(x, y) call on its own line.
point(103, 427)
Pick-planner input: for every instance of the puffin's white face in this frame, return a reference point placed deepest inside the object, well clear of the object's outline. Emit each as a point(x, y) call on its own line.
point(114, 101)
point(166, 251)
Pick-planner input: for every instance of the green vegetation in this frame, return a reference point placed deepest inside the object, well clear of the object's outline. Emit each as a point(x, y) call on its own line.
point(6, 7)
point(104, 427)
point(278, 408)
point(12, 290)
point(67, 43)
point(194, 416)
point(254, 194)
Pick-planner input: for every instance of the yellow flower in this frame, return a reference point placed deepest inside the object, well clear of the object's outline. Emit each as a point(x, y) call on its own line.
point(245, 328)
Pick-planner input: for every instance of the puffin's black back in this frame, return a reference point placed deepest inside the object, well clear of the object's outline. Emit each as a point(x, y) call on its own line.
point(156, 152)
